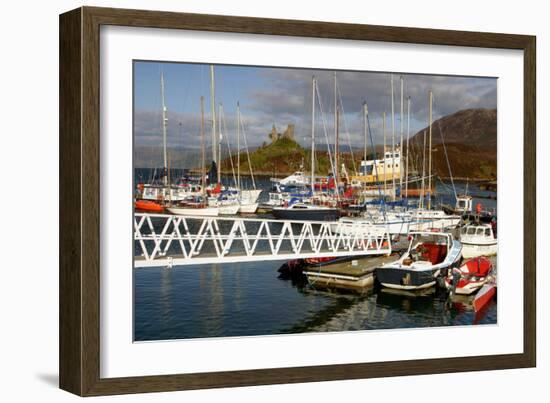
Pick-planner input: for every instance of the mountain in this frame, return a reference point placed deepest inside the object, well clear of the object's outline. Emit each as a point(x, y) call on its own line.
point(470, 137)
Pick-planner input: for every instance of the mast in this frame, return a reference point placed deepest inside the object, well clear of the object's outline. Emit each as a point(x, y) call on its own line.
point(423, 171)
point(336, 154)
point(213, 110)
point(392, 140)
point(365, 126)
point(401, 142)
point(365, 114)
point(164, 122)
point(203, 151)
point(313, 84)
point(336, 168)
point(219, 165)
point(430, 157)
point(384, 152)
point(238, 146)
point(408, 135)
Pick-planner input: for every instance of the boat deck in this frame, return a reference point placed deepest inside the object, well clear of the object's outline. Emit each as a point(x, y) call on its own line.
point(352, 268)
point(352, 275)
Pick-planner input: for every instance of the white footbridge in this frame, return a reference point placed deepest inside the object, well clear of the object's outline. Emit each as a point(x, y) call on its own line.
point(171, 240)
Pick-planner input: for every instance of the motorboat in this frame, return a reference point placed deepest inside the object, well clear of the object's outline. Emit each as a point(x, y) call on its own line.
point(429, 255)
point(305, 211)
point(478, 240)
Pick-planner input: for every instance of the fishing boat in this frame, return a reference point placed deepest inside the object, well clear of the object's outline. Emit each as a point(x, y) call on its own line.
point(148, 205)
point(478, 240)
point(429, 255)
point(462, 206)
point(470, 277)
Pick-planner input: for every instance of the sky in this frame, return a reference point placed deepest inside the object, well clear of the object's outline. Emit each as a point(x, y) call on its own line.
point(279, 96)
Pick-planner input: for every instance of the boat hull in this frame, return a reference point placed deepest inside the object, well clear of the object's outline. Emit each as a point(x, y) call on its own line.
point(406, 279)
point(484, 296)
point(149, 206)
point(248, 208)
point(251, 196)
point(306, 214)
point(470, 250)
point(231, 209)
point(190, 211)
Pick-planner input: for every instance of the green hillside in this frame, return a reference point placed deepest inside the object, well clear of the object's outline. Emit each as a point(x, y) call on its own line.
point(282, 156)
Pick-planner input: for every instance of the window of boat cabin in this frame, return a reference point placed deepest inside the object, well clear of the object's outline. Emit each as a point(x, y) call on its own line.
point(429, 239)
point(480, 231)
point(487, 232)
point(471, 231)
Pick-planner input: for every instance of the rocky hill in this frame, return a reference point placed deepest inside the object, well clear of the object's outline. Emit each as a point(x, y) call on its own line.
point(470, 137)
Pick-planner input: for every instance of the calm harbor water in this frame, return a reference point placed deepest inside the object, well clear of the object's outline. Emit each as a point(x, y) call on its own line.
point(246, 299)
point(249, 299)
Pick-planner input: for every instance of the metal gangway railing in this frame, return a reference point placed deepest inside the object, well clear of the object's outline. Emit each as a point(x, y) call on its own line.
point(171, 240)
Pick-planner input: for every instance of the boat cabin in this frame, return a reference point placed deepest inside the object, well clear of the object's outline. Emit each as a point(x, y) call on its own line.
point(463, 204)
point(427, 247)
point(477, 231)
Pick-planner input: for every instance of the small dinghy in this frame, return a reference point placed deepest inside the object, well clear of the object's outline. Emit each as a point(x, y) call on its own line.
point(484, 296)
point(148, 205)
point(470, 276)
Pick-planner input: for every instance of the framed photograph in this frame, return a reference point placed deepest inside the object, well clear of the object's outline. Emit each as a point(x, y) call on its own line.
point(250, 201)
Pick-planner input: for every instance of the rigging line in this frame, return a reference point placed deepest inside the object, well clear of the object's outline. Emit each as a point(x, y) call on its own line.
point(447, 158)
point(324, 127)
point(248, 154)
point(346, 130)
point(222, 113)
point(446, 155)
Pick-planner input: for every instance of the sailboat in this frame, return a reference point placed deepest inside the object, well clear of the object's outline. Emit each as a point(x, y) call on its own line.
point(197, 205)
point(154, 195)
point(308, 211)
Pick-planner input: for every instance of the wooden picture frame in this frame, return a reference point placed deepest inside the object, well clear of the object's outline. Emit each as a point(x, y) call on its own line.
point(79, 346)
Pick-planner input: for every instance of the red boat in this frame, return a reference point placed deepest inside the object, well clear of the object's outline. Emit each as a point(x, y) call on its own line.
point(148, 205)
point(484, 296)
point(471, 276)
